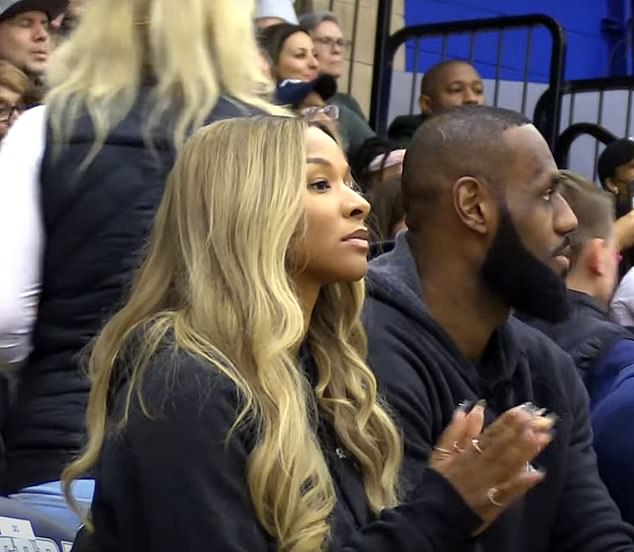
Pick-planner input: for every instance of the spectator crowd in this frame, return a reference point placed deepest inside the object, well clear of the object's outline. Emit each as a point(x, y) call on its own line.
point(232, 317)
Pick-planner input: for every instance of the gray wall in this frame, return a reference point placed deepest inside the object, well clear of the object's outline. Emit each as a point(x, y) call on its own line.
point(584, 150)
point(613, 117)
point(509, 94)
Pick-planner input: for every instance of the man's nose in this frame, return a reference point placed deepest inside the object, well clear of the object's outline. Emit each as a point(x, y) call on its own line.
point(469, 97)
point(565, 219)
point(40, 32)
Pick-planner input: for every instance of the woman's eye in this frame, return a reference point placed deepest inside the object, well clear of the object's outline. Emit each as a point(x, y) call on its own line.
point(319, 185)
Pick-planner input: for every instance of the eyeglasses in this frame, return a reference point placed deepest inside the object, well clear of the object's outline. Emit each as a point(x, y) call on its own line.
point(331, 111)
point(331, 42)
point(7, 111)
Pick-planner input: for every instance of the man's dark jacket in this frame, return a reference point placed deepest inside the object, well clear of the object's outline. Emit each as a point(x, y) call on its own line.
point(586, 334)
point(424, 377)
point(403, 128)
point(604, 354)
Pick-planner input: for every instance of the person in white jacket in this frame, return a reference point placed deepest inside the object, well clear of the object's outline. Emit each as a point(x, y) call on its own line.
point(272, 12)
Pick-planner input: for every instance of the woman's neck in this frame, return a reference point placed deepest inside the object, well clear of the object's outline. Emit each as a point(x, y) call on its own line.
point(308, 293)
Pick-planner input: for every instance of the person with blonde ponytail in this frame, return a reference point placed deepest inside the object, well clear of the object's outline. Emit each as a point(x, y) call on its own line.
point(82, 177)
point(231, 405)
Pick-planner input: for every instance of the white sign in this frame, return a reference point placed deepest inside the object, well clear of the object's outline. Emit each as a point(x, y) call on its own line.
point(10, 527)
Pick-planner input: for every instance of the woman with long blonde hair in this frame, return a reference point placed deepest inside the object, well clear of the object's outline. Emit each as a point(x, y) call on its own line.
point(231, 406)
point(82, 177)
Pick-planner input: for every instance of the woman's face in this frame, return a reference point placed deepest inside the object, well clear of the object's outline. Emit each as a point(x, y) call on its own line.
point(297, 59)
point(335, 244)
point(265, 68)
point(8, 114)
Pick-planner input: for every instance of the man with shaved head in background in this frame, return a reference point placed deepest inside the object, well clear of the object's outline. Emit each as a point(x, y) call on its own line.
point(447, 84)
point(488, 233)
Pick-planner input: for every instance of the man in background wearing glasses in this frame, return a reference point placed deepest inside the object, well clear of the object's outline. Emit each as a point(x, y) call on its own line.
point(330, 47)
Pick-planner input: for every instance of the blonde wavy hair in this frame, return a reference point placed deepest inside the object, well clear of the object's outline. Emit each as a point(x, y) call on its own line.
point(188, 52)
point(217, 283)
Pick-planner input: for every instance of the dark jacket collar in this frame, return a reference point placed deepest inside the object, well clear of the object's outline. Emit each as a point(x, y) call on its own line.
point(393, 279)
point(588, 305)
point(586, 334)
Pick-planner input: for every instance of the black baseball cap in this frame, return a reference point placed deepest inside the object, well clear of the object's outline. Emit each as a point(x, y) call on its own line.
point(617, 153)
point(52, 8)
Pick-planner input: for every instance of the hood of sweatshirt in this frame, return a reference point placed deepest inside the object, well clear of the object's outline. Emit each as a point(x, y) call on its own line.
point(393, 281)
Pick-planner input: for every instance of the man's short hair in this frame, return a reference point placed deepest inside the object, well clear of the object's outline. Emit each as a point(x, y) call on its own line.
point(430, 79)
point(310, 21)
point(593, 207)
point(461, 141)
point(617, 153)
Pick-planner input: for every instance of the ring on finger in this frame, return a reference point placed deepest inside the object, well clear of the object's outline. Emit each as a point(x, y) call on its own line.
point(529, 468)
point(492, 494)
point(456, 447)
point(443, 450)
point(476, 445)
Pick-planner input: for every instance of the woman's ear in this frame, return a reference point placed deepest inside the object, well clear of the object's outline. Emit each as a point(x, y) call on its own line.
point(611, 186)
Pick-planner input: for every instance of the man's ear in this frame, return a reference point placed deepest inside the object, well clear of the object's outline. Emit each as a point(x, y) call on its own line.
point(424, 102)
point(594, 256)
point(474, 205)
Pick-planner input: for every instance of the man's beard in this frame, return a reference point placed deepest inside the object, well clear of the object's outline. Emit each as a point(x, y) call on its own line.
point(520, 279)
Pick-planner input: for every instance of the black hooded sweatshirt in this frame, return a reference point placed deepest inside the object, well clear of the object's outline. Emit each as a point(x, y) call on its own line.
point(173, 482)
point(424, 377)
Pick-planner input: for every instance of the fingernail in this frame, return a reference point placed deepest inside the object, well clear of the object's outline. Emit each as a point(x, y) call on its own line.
point(532, 409)
point(552, 417)
point(465, 406)
point(530, 468)
point(543, 423)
